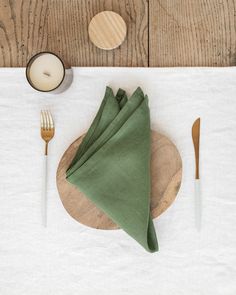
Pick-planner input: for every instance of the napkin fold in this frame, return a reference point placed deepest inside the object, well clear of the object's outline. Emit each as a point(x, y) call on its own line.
point(112, 164)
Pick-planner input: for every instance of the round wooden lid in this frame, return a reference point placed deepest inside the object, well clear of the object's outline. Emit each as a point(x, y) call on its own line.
point(107, 30)
point(166, 171)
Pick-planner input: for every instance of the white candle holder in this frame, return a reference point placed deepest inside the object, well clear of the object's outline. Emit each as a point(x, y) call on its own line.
point(46, 72)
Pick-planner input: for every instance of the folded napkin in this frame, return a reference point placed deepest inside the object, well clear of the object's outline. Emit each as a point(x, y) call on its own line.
point(112, 164)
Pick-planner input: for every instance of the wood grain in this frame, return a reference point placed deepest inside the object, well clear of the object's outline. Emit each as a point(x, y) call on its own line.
point(166, 171)
point(160, 32)
point(68, 32)
point(192, 33)
point(23, 30)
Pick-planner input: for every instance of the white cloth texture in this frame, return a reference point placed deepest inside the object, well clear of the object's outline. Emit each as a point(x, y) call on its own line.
point(68, 258)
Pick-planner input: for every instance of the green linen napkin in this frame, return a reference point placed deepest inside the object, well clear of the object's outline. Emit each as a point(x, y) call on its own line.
point(112, 164)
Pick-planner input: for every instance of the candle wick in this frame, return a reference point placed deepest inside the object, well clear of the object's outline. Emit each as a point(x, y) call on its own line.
point(46, 74)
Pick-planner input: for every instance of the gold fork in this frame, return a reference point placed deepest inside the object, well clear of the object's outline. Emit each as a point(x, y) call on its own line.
point(47, 133)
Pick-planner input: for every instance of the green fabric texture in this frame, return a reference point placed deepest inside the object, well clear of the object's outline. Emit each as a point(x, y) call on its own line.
point(112, 164)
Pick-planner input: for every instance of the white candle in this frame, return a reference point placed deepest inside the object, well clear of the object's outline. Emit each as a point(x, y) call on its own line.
point(45, 71)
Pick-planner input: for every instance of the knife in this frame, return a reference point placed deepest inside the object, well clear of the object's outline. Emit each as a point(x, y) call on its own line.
point(197, 192)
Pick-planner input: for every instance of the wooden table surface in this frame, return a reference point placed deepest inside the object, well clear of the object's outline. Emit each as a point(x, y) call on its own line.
point(160, 32)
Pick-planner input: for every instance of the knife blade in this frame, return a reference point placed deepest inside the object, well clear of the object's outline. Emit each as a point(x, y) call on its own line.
point(197, 188)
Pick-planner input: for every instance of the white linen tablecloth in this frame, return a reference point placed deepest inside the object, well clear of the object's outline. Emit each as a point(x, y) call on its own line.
point(69, 258)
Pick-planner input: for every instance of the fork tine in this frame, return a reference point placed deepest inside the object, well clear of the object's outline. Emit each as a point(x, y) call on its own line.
point(51, 123)
point(43, 121)
point(47, 120)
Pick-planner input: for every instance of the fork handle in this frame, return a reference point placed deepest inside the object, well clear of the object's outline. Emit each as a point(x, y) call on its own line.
point(44, 192)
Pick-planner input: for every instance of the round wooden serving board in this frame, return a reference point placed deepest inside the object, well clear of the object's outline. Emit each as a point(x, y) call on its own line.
point(107, 30)
point(166, 171)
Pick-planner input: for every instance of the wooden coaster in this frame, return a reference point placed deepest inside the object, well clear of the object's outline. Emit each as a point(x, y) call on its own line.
point(107, 30)
point(166, 170)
